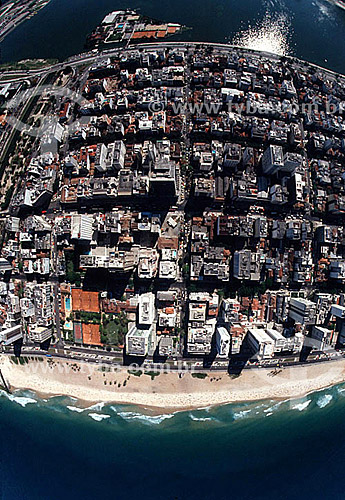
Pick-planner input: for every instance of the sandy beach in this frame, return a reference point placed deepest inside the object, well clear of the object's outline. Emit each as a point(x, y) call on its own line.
point(91, 383)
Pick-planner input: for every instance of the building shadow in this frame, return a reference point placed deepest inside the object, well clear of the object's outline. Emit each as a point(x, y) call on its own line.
point(159, 358)
point(133, 360)
point(239, 361)
point(209, 358)
point(44, 346)
point(17, 347)
point(305, 352)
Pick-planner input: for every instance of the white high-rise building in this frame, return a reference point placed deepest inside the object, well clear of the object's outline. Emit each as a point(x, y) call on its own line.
point(10, 335)
point(223, 341)
point(146, 309)
point(101, 158)
point(260, 342)
point(110, 158)
point(138, 342)
point(81, 228)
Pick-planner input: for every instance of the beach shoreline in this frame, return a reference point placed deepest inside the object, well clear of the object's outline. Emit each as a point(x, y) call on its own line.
point(91, 384)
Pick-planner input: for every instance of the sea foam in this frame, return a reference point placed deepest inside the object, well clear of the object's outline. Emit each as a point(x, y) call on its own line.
point(98, 416)
point(21, 400)
point(324, 401)
point(96, 407)
point(302, 406)
point(200, 419)
point(145, 419)
point(275, 407)
point(76, 409)
point(241, 414)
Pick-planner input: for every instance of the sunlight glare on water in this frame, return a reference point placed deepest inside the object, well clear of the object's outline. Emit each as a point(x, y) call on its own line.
point(271, 34)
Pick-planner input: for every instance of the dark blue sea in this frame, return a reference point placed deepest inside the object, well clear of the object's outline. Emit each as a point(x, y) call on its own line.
point(55, 449)
point(310, 29)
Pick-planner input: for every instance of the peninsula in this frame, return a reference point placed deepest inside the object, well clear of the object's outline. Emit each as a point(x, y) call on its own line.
point(127, 26)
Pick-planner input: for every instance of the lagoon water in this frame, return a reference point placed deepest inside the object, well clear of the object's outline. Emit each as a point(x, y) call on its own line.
point(266, 450)
point(55, 449)
point(311, 29)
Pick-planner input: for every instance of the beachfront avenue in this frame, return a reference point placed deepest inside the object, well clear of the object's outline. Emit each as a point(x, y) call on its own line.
point(175, 206)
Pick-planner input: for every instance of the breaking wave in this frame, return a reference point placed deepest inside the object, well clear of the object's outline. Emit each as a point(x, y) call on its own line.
point(97, 407)
point(145, 419)
point(324, 400)
point(76, 409)
point(218, 415)
point(241, 414)
point(98, 416)
point(201, 419)
point(301, 406)
point(20, 400)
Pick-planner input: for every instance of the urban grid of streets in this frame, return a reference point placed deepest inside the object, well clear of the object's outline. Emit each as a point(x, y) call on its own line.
point(229, 225)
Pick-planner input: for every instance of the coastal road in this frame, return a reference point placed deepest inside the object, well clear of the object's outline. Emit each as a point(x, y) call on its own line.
point(94, 56)
point(100, 357)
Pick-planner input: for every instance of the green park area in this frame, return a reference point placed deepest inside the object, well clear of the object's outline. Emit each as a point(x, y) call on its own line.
point(114, 329)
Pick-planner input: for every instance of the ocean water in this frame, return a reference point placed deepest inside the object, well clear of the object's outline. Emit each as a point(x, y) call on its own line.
point(310, 29)
point(54, 448)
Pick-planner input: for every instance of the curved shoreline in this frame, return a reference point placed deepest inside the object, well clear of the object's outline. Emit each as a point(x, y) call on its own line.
point(230, 46)
point(78, 59)
point(89, 384)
